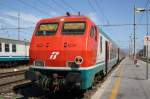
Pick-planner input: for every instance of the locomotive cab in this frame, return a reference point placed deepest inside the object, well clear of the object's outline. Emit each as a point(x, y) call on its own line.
point(69, 41)
point(64, 49)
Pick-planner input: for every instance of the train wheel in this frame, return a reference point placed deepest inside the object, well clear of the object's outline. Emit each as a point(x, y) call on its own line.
point(103, 74)
point(2, 65)
point(6, 65)
point(10, 64)
point(15, 64)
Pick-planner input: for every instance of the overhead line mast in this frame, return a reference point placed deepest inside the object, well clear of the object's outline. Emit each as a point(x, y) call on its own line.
point(134, 24)
point(19, 25)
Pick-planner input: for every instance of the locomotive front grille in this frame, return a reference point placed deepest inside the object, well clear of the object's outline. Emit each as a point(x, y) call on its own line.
point(38, 63)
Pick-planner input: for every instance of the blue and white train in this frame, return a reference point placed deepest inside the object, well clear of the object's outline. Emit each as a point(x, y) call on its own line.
point(13, 52)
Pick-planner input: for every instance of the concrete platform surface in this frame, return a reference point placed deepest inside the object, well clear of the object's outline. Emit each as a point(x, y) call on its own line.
point(128, 81)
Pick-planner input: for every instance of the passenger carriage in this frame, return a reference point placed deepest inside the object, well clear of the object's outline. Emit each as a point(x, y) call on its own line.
point(13, 52)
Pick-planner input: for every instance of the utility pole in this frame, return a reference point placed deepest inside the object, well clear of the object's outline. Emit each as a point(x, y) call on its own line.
point(134, 34)
point(130, 49)
point(7, 34)
point(145, 10)
point(147, 44)
point(19, 25)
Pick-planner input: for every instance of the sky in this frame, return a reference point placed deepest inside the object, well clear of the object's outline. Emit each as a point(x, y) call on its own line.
point(115, 17)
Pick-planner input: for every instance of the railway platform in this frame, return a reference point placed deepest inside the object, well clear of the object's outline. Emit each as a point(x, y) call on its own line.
point(127, 81)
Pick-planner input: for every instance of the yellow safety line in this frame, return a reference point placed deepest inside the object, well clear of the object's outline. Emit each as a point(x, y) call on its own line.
point(116, 86)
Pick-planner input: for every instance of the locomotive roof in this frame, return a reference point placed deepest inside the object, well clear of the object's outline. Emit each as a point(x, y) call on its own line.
point(13, 41)
point(66, 17)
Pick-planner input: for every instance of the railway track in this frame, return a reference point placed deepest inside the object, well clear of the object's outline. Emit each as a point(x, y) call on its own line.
point(14, 73)
point(13, 69)
point(10, 79)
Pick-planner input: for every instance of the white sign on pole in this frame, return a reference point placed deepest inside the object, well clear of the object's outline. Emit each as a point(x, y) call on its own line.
point(146, 40)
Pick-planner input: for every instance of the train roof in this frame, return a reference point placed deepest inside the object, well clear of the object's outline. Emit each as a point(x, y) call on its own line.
point(66, 17)
point(13, 41)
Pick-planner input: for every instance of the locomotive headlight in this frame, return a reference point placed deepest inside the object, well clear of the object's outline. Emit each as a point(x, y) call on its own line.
point(78, 60)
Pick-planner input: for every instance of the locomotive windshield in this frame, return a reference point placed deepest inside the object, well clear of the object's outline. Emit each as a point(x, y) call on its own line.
point(47, 29)
point(73, 28)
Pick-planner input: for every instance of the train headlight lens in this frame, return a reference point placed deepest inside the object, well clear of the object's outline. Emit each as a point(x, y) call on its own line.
point(78, 60)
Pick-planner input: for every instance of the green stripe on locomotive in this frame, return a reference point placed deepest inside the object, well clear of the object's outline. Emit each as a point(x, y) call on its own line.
point(88, 75)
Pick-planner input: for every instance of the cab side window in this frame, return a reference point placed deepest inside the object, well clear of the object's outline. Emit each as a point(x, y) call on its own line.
point(95, 30)
point(92, 32)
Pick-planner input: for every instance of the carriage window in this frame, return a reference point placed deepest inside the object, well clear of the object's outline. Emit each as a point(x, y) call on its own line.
point(13, 48)
point(47, 29)
point(6, 47)
point(74, 28)
point(0, 47)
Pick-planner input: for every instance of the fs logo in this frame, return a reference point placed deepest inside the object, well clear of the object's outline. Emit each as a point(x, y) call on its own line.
point(54, 55)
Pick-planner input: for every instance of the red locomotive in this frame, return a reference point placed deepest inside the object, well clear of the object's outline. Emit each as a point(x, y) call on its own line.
point(63, 40)
point(70, 52)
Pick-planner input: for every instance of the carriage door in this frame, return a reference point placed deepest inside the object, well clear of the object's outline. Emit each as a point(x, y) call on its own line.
point(106, 56)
